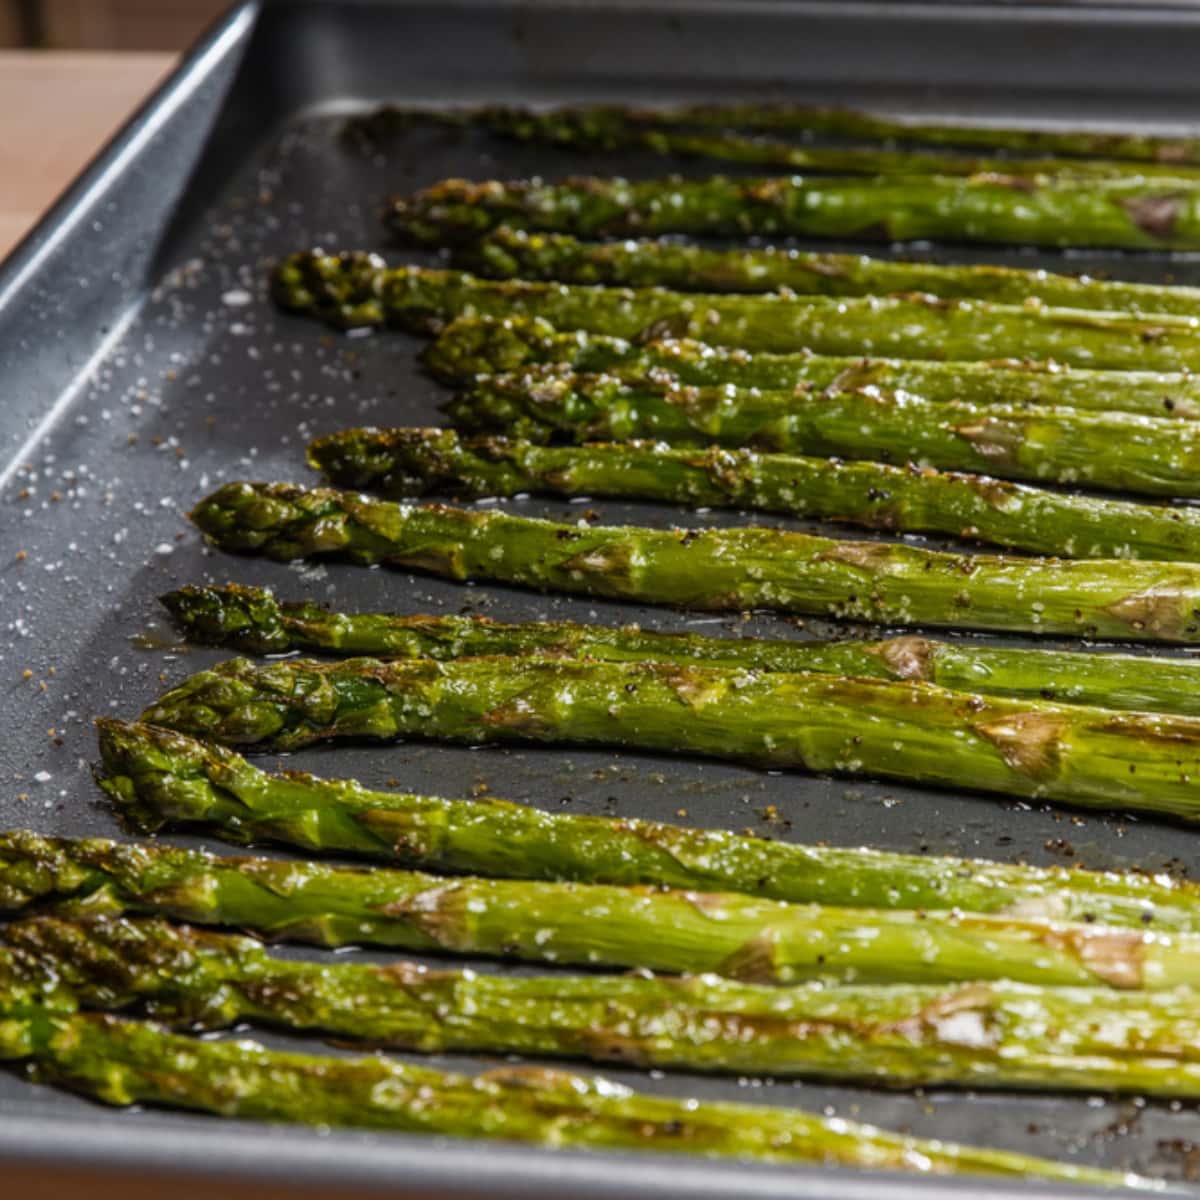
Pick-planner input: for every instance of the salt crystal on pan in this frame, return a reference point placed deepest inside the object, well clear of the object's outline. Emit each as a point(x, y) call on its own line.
point(43, 777)
point(236, 297)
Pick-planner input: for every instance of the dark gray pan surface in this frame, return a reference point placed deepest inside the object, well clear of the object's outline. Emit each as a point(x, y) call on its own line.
point(118, 417)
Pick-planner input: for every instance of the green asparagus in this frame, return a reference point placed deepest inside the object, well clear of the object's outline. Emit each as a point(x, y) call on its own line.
point(1131, 214)
point(610, 126)
point(756, 150)
point(715, 569)
point(681, 932)
point(124, 1062)
point(918, 732)
point(470, 346)
point(359, 290)
point(414, 462)
point(253, 621)
point(518, 254)
point(849, 123)
point(976, 1034)
point(581, 131)
point(159, 778)
point(1127, 452)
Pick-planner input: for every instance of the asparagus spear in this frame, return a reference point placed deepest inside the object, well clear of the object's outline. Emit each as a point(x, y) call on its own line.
point(470, 346)
point(1088, 756)
point(899, 1035)
point(608, 127)
point(359, 290)
point(413, 462)
point(578, 131)
point(161, 778)
point(124, 1062)
point(519, 254)
point(252, 620)
point(843, 122)
point(715, 569)
point(1128, 214)
point(755, 150)
point(737, 936)
point(1122, 451)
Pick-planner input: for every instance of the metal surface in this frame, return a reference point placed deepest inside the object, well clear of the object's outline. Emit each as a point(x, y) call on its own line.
point(143, 363)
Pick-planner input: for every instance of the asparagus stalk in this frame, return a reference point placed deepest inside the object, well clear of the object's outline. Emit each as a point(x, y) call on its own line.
point(414, 462)
point(519, 254)
point(899, 1035)
point(159, 778)
point(756, 150)
point(359, 290)
point(1132, 214)
point(849, 123)
point(737, 936)
point(610, 126)
point(251, 620)
point(123, 1062)
point(1122, 451)
point(715, 569)
point(1087, 756)
point(470, 346)
point(578, 131)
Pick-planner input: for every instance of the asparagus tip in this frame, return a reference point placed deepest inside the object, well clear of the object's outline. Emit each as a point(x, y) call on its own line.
point(471, 346)
point(339, 288)
point(248, 618)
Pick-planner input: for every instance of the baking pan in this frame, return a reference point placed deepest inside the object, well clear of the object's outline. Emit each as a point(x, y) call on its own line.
point(143, 363)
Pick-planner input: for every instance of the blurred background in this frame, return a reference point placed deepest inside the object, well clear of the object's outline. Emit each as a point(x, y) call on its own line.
point(70, 72)
point(105, 24)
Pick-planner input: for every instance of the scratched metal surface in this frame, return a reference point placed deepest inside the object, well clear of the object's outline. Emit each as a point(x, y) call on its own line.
point(176, 373)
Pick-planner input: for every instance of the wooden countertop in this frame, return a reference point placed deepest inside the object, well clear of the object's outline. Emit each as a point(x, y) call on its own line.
point(56, 110)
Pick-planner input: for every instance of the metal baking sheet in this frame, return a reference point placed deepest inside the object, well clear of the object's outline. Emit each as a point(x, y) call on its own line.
point(143, 363)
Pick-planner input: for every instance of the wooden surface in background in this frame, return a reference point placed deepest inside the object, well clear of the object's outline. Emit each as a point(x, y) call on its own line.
point(125, 24)
point(12, 28)
point(56, 110)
